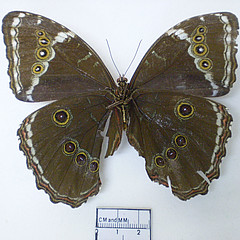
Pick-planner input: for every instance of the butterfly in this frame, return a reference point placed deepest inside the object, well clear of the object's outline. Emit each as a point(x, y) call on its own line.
point(180, 134)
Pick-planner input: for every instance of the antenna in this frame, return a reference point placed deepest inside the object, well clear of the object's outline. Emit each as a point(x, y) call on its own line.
point(130, 62)
point(133, 58)
point(112, 58)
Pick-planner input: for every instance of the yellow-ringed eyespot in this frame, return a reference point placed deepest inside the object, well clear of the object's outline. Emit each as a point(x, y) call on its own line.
point(200, 49)
point(40, 33)
point(171, 154)
point(180, 141)
point(38, 68)
point(81, 158)
point(199, 38)
point(185, 110)
point(44, 41)
point(61, 117)
point(69, 147)
point(205, 64)
point(202, 29)
point(159, 161)
point(94, 166)
point(43, 53)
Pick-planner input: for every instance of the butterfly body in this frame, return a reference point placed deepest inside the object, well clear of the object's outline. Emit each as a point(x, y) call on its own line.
point(181, 134)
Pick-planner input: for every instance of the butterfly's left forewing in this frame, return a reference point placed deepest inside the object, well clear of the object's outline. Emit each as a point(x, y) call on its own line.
point(181, 137)
point(47, 61)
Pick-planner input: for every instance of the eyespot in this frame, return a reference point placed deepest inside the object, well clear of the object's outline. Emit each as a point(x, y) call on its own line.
point(185, 110)
point(180, 141)
point(202, 29)
point(205, 64)
point(171, 154)
point(44, 41)
point(94, 166)
point(199, 38)
point(159, 161)
point(40, 33)
point(69, 147)
point(61, 117)
point(43, 53)
point(38, 68)
point(200, 49)
point(81, 158)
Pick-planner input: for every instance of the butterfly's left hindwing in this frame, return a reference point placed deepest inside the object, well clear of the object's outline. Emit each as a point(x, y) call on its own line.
point(62, 142)
point(181, 137)
point(48, 61)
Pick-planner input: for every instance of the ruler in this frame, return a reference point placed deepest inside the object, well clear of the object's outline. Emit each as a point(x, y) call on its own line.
point(123, 224)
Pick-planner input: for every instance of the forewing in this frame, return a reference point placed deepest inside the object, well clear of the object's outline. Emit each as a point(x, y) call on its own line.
point(197, 56)
point(48, 61)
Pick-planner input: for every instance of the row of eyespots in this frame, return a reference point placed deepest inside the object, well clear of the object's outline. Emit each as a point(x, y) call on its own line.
point(184, 110)
point(62, 118)
point(171, 153)
point(200, 48)
point(43, 52)
point(81, 157)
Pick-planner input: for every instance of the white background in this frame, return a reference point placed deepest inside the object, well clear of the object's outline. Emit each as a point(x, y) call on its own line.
point(27, 213)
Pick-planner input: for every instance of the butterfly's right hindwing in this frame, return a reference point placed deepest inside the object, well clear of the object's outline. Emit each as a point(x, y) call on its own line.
point(181, 137)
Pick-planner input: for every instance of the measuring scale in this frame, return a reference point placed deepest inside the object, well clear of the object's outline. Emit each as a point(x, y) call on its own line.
point(123, 224)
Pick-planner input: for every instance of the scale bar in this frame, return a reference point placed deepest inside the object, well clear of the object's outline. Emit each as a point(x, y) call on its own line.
point(115, 222)
point(123, 227)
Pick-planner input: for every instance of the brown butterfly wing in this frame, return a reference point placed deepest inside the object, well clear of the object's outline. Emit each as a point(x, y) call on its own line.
point(181, 137)
point(48, 61)
point(63, 143)
point(197, 56)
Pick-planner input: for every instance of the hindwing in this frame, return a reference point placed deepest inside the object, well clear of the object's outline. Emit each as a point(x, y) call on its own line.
point(181, 137)
point(63, 142)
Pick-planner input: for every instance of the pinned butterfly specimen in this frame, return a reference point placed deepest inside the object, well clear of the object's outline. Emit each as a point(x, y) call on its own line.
point(181, 134)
